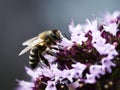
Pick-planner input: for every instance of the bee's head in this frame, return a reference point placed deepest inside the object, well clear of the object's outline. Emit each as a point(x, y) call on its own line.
point(56, 35)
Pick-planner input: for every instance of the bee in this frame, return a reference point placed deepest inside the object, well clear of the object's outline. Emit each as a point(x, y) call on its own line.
point(39, 44)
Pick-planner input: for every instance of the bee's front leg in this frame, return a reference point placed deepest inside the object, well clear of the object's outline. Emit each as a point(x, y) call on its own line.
point(51, 53)
point(43, 61)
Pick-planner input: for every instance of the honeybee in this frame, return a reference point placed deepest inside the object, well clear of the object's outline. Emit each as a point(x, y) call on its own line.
point(39, 44)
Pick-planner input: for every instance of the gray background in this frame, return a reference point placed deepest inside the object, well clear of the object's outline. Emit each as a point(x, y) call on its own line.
point(23, 19)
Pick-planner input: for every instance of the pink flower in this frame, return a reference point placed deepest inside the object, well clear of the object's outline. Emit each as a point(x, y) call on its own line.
point(78, 69)
point(111, 28)
point(24, 85)
point(77, 34)
point(90, 79)
point(66, 43)
point(97, 70)
point(107, 64)
point(69, 74)
point(111, 18)
point(83, 59)
point(51, 85)
point(32, 73)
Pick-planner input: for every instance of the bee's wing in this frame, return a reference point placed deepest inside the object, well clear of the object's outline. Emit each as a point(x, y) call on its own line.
point(29, 41)
point(31, 44)
point(25, 50)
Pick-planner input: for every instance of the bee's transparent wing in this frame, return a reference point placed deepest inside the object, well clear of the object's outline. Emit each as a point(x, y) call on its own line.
point(31, 44)
point(29, 41)
point(25, 50)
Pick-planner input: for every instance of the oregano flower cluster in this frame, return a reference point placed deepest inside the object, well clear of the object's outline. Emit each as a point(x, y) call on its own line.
point(89, 59)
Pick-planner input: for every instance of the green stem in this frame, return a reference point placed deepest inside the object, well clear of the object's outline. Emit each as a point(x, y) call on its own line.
point(98, 86)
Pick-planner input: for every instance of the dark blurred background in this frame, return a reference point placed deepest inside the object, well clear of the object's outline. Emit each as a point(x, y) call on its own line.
point(23, 19)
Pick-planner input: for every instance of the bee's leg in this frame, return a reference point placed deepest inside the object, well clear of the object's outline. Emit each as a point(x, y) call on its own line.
point(44, 60)
point(51, 53)
point(55, 48)
point(59, 48)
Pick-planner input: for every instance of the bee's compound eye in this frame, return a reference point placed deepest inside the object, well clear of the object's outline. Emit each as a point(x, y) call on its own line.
point(55, 30)
point(54, 35)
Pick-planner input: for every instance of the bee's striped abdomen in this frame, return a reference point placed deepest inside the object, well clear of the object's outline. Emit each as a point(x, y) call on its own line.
point(34, 57)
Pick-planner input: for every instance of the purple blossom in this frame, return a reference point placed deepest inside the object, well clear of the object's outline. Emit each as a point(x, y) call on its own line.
point(69, 74)
point(32, 73)
point(97, 70)
point(111, 18)
point(24, 85)
point(57, 73)
point(90, 79)
point(107, 64)
point(78, 69)
point(77, 34)
point(66, 43)
point(91, 25)
point(85, 58)
point(51, 85)
point(111, 28)
point(106, 49)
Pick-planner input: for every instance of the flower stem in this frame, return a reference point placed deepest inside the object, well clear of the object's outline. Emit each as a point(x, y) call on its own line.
point(98, 86)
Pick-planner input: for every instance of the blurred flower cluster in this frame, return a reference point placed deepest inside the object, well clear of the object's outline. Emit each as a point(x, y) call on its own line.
point(89, 59)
